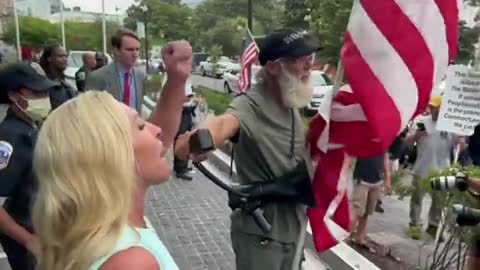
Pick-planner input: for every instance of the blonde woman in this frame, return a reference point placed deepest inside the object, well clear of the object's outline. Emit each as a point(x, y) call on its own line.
point(95, 159)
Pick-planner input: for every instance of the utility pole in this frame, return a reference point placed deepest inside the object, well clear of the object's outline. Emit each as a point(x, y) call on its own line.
point(104, 29)
point(144, 8)
point(146, 40)
point(116, 14)
point(17, 31)
point(250, 15)
point(62, 23)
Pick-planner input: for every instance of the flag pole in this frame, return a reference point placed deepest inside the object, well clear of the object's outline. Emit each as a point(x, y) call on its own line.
point(253, 40)
point(256, 46)
point(338, 78)
point(17, 31)
point(249, 28)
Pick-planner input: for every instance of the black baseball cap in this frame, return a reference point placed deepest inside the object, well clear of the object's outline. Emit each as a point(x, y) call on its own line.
point(285, 43)
point(27, 75)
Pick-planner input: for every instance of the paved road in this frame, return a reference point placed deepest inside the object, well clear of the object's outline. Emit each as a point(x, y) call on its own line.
point(212, 83)
point(192, 220)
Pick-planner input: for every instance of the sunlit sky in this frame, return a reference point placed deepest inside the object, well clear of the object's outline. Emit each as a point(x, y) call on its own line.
point(110, 5)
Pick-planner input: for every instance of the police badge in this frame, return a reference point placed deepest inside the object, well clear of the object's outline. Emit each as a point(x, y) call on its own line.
point(6, 151)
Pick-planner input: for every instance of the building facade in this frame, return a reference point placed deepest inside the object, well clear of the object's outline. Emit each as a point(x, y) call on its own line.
point(35, 8)
point(76, 14)
point(6, 7)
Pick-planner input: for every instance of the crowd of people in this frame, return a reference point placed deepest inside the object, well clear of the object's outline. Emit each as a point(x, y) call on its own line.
point(76, 164)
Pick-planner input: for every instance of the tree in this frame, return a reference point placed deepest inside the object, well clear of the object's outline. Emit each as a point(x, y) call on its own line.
point(474, 3)
point(227, 33)
point(295, 12)
point(467, 37)
point(265, 13)
point(328, 22)
point(215, 52)
point(166, 19)
point(34, 32)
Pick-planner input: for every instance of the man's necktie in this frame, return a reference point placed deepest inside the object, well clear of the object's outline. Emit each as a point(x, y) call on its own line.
point(126, 89)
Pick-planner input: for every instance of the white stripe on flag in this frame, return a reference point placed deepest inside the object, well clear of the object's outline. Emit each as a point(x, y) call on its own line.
point(435, 37)
point(400, 85)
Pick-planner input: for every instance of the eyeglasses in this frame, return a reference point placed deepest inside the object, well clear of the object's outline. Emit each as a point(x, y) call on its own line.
point(310, 59)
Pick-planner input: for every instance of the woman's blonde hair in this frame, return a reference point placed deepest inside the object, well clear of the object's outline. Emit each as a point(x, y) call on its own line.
point(84, 164)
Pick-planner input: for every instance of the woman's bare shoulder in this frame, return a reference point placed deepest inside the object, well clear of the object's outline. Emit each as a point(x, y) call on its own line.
point(131, 259)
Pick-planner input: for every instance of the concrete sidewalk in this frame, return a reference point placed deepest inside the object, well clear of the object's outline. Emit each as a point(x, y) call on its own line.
point(389, 232)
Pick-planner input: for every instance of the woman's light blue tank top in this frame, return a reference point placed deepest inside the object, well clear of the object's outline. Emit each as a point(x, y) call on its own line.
point(146, 238)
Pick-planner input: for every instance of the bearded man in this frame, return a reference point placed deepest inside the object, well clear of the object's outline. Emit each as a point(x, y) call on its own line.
point(268, 132)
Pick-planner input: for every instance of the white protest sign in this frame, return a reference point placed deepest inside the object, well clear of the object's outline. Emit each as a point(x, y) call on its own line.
point(460, 110)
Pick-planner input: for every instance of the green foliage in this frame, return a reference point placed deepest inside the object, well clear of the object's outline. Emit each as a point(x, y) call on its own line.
point(215, 52)
point(294, 14)
point(153, 86)
point(228, 34)
point(224, 22)
point(466, 40)
point(474, 3)
point(167, 20)
point(453, 251)
point(265, 13)
point(36, 32)
point(218, 102)
point(328, 22)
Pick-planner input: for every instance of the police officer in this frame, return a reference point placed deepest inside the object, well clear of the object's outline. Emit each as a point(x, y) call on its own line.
point(101, 60)
point(182, 171)
point(266, 125)
point(89, 64)
point(26, 89)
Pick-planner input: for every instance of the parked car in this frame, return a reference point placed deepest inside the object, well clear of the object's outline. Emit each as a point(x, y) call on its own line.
point(197, 58)
point(230, 81)
point(155, 63)
point(208, 68)
point(321, 84)
point(231, 78)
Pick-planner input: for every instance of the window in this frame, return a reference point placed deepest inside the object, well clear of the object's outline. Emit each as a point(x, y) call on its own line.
point(320, 79)
point(75, 60)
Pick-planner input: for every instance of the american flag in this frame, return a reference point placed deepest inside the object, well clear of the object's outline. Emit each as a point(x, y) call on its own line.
point(390, 77)
point(250, 55)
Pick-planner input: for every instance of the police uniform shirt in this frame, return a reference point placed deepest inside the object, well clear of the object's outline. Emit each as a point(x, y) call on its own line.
point(80, 78)
point(17, 141)
point(61, 93)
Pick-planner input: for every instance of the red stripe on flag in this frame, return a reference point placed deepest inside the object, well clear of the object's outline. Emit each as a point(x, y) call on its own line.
point(414, 51)
point(378, 106)
point(449, 10)
point(327, 176)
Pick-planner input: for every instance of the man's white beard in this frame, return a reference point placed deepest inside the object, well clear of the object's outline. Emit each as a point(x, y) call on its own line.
point(295, 92)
